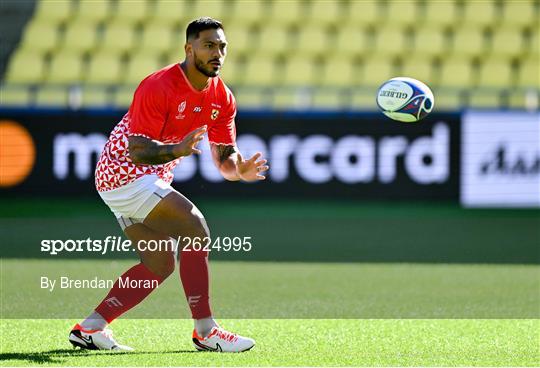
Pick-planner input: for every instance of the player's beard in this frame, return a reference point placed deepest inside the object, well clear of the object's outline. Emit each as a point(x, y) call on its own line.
point(205, 68)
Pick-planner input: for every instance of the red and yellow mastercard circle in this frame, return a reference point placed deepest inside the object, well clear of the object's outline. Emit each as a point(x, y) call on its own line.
point(17, 153)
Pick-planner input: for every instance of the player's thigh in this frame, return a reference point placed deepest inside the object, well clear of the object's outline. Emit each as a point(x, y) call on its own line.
point(175, 215)
point(155, 249)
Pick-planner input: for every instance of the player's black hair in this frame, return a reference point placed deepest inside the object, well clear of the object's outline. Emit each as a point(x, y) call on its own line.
point(201, 24)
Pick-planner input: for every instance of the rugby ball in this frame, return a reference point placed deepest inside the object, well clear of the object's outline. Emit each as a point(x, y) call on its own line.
point(405, 99)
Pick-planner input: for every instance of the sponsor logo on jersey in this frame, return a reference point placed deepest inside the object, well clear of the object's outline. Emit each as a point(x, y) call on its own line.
point(197, 109)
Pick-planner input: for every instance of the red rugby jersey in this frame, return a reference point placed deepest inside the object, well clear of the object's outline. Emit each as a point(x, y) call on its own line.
point(165, 108)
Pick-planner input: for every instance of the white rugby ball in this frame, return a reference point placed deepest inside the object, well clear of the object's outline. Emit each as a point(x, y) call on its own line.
point(405, 99)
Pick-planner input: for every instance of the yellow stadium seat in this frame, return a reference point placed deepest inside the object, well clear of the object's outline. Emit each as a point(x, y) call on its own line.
point(170, 13)
point(339, 72)
point(131, 12)
point(441, 13)
point(234, 70)
point(248, 98)
point(52, 96)
point(328, 99)
point(139, 67)
point(156, 39)
point(92, 12)
point(480, 13)
point(14, 96)
point(246, 12)
point(217, 9)
point(377, 70)
point(118, 38)
point(391, 42)
point(430, 42)
point(484, 99)
point(299, 71)
point(363, 99)
point(519, 13)
point(95, 97)
point(468, 42)
point(529, 73)
point(240, 39)
point(66, 67)
point(261, 71)
point(456, 73)
point(291, 98)
point(524, 99)
point(312, 40)
point(419, 68)
point(53, 12)
point(79, 37)
point(364, 13)
point(104, 68)
point(402, 12)
point(495, 73)
point(352, 40)
point(447, 100)
point(507, 43)
point(324, 13)
point(274, 40)
point(25, 66)
point(123, 96)
point(534, 44)
point(40, 37)
point(286, 12)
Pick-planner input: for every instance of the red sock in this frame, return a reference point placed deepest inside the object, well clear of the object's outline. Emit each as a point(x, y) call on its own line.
point(194, 276)
point(123, 296)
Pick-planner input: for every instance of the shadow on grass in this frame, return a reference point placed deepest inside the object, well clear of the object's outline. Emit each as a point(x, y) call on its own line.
point(55, 356)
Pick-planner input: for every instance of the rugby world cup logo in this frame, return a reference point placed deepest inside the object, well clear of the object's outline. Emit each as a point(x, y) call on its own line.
point(181, 109)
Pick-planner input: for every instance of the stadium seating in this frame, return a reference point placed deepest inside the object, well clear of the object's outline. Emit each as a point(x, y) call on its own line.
point(483, 53)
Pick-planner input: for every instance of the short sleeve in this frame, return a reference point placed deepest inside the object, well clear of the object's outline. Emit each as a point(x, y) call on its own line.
point(148, 111)
point(224, 129)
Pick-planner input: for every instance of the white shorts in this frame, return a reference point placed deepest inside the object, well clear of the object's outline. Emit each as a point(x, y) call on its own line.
point(132, 202)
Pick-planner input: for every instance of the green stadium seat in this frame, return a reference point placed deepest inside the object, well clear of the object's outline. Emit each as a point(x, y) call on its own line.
point(52, 96)
point(247, 12)
point(79, 37)
point(312, 40)
point(287, 12)
point(468, 42)
point(261, 71)
point(53, 12)
point(92, 12)
point(430, 42)
point(156, 39)
point(25, 66)
point(123, 96)
point(376, 70)
point(418, 67)
point(274, 40)
point(328, 99)
point(299, 71)
point(392, 42)
point(529, 73)
point(170, 13)
point(291, 98)
point(447, 100)
point(40, 37)
point(104, 68)
point(118, 38)
point(131, 12)
point(14, 96)
point(240, 39)
point(65, 67)
point(402, 13)
point(339, 72)
point(217, 9)
point(519, 14)
point(456, 73)
point(484, 98)
point(95, 97)
point(480, 13)
point(324, 13)
point(507, 43)
point(364, 13)
point(496, 74)
point(139, 67)
point(440, 13)
point(249, 98)
point(352, 40)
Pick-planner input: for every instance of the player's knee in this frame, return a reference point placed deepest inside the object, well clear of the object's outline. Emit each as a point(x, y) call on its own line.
point(163, 268)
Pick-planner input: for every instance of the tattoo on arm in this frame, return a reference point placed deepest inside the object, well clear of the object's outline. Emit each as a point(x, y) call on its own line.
point(146, 151)
point(224, 152)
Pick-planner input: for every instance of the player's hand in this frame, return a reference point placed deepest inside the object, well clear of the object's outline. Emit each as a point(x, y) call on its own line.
point(189, 143)
point(252, 169)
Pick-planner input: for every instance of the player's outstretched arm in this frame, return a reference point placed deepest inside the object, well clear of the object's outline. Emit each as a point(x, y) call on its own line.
point(233, 167)
point(150, 152)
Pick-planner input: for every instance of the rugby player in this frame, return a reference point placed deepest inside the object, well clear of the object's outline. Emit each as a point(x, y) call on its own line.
point(171, 111)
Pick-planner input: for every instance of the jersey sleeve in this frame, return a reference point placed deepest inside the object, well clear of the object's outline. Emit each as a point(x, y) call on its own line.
point(224, 129)
point(148, 111)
